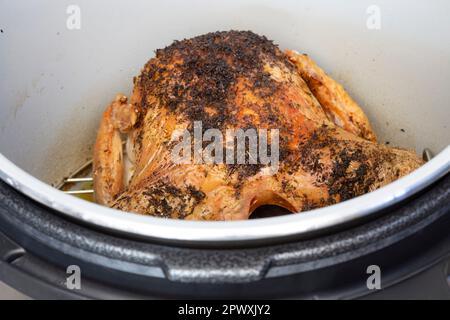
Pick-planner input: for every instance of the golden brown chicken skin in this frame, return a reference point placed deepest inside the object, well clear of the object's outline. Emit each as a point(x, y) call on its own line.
point(239, 80)
point(335, 101)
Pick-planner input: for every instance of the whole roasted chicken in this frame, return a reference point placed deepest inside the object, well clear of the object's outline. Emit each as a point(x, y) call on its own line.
point(326, 149)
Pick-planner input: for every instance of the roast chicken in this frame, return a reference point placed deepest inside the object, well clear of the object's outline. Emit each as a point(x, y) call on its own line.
point(327, 150)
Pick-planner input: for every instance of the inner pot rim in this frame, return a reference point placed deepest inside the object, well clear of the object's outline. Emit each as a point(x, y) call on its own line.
point(294, 225)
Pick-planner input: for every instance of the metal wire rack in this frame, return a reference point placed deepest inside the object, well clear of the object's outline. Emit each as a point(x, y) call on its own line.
point(80, 183)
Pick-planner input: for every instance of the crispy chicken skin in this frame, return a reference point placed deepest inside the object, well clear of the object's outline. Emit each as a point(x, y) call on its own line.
point(226, 80)
point(335, 101)
point(108, 156)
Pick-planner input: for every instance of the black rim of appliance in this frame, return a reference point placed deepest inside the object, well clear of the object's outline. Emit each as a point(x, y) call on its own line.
point(38, 244)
